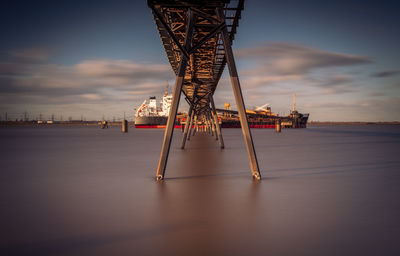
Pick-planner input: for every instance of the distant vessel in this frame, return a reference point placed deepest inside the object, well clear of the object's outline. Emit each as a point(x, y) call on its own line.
point(153, 115)
point(262, 117)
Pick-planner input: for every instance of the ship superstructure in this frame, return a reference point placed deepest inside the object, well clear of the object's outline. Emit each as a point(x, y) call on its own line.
point(153, 115)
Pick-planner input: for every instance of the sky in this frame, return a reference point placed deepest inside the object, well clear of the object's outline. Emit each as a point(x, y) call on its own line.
point(90, 59)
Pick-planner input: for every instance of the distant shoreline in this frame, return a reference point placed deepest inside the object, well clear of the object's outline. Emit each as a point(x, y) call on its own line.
point(97, 123)
point(317, 123)
point(63, 123)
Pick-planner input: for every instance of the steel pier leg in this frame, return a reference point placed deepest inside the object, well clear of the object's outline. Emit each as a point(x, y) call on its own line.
point(190, 126)
point(162, 163)
point(214, 125)
point(195, 125)
point(184, 136)
point(219, 133)
point(211, 124)
point(176, 95)
point(239, 101)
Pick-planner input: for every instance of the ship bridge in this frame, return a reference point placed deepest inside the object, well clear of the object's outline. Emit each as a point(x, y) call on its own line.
point(197, 38)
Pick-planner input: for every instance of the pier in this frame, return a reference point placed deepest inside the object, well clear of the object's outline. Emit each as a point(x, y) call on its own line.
point(197, 38)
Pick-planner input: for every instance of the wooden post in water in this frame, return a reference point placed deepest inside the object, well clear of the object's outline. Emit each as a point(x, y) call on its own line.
point(278, 126)
point(124, 126)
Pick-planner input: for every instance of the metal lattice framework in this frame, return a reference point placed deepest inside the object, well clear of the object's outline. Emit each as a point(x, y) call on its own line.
point(197, 38)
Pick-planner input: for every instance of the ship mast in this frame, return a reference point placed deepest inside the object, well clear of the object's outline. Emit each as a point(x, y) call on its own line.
point(166, 88)
point(294, 102)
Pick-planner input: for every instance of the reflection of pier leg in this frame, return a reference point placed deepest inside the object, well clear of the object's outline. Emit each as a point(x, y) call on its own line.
point(190, 126)
point(239, 101)
point(176, 95)
point(218, 128)
point(184, 136)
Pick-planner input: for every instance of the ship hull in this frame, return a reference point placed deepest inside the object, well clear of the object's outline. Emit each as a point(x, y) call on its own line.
point(152, 122)
point(299, 121)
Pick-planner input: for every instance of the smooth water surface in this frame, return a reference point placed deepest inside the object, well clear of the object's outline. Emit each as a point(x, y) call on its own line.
point(87, 191)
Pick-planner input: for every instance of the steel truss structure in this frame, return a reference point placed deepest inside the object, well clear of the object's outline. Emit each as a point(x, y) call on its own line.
point(197, 37)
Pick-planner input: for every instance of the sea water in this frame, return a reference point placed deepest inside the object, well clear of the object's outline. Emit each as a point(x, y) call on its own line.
point(87, 191)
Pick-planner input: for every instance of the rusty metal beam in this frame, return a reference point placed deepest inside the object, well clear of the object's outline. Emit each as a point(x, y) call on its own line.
point(169, 31)
point(237, 91)
point(162, 163)
point(207, 37)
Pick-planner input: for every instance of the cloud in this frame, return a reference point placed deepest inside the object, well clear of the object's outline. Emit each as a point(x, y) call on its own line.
point(336, 80)
point(386, 73)
point(123, 70)
point(32, 54)
point(109, 85)
point(336, 105)
point(362, 109)
point(296, 66)
point(88, 81)
point(91, 96)
point(333, 83)
point(366, 103)
point(290, 58)
point(10, 68)
point(254, 81)
point(376, 94)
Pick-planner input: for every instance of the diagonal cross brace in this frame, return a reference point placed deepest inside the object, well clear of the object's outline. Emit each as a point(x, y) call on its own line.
point(169, 31)
point(176, 41)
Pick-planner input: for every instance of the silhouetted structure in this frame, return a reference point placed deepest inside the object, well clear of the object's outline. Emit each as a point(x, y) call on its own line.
point(197, 37)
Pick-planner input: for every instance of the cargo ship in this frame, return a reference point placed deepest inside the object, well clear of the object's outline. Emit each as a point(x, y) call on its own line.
point(263, 117)
point(260, 119)
point(153, 115)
